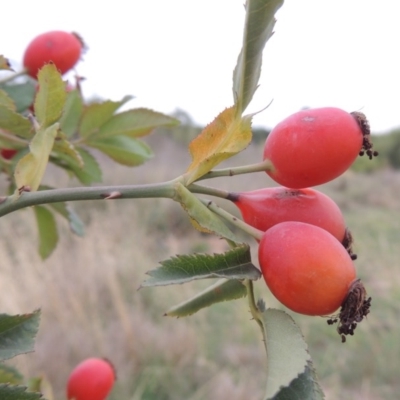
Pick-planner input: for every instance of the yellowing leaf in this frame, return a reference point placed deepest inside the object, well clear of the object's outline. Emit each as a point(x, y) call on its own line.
point(201, 217)
point(226, 136)
point(62, 145)
point(4, 63)
point(6, 100)
point(30, 168)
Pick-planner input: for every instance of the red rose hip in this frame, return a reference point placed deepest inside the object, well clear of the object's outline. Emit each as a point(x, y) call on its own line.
point(92, 379)
point(267, 207)
point(305, 268)
point(62, 48)
point(314, 146)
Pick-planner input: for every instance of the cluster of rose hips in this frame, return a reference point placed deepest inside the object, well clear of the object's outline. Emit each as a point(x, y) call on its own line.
point(63, 49)
point(305, 253)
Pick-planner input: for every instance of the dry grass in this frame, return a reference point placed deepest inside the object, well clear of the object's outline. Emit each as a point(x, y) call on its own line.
point(87, 291)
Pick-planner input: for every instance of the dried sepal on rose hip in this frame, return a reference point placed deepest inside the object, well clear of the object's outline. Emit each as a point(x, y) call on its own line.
point(347, 243)
point(315, 146)
point(306, 268)
point(366, 131)
point(354, 308)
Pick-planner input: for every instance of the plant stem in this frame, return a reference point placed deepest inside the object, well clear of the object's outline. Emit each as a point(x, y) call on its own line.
point(257, 234)
point(13, 76)
point(266, 165)
point(255, 312)
point(27, 199)
point(223, 194)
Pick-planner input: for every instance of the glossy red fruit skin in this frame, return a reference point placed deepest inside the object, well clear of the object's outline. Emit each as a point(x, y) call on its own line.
point(8, 154)
point(62, 48)
point(267, 207)
point(92, 379)
point(305, 268)
point(312, 147)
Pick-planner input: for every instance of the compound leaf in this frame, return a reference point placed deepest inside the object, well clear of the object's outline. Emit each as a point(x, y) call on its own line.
point(9, 374)
point(202, 218)
point(22, 94)
point(17, 334)
point(233, 264)
point(73, 108)
point(135, 123)
point(75, 223)
point(87, 175)
point(259, 25)
point(96, 114)
point(6, 100)
point(289, 364)
point(226, 136)
point(11, 392)
point(50, 97)
point(30, 168)
point(220, 291)
point(124, 150)
point(62, 145)
point(14, 123)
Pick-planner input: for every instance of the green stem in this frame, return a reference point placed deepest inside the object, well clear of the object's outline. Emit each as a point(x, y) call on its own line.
point(266, 165)
point(257, 234)
point(13, 76)
point(13, 138)
point(254, 311)
point(27, 199)
point(223, 194)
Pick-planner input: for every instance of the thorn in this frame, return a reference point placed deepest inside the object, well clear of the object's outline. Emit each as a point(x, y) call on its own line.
point(3, 199)
point(24, 188)
point(112, 195)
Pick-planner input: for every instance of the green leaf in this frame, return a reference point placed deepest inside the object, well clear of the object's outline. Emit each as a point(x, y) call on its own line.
point(6, 100)
point(96, 114)
point(51, 95)
point(90, 173)
point(10, 392)
point(22, 94)
point(226, 136)
point(305, 386)
point(135, 123)
point(233, 264)
point(124, 150)
point(31, 168)
point(75, 223)
point(62, 145)
point(288, 360)
point(9, 374)
point(259, 25)
point(14, 123)
point(48, 235)
point(220, 291)
point(72, 113)
point(202, 217)
point(17, 334)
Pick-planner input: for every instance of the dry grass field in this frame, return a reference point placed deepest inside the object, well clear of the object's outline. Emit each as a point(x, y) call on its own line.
point(87, 291)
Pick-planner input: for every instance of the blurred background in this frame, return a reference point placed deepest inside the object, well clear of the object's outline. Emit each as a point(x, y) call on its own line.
point(177, 57)
point(180, 54)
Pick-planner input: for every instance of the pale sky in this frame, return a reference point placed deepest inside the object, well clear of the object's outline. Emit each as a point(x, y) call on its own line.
point(181, 53)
